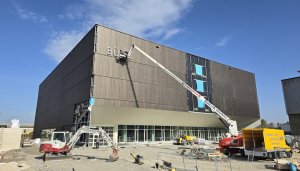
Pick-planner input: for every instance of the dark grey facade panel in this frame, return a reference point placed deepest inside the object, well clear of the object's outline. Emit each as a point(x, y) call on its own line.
point(69, 83)
point(55, 119)
point(137, 72)
point(84, 49)
point(138, 92)
point(76, 94)
point(291, 91)
point(172, 59)
point(140, 82)
point(294, 120)
point(233, 90)
point(80, 73)
point(58, 110)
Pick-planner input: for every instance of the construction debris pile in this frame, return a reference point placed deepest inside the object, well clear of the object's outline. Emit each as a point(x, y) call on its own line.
point(205, 153)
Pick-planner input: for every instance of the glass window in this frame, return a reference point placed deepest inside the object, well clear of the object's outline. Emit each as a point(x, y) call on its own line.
point(199, 69)
point(130, 127)
point(151, 135)
point(167, 135)
point(200, 85)
point(157, 127)
point(122, 135)
point(151, 127)
point(167, 127)
point(68, 137)
point(122, 127)
point(158, 136)
point(59, 136)
point(130, 136)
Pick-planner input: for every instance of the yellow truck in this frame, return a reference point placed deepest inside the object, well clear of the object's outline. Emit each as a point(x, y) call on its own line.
point(266, 143)
point(185, 140)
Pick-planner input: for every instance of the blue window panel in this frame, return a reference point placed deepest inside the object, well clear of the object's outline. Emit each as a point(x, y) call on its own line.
point(200, 85)
point(199, 69)
point(200, 104)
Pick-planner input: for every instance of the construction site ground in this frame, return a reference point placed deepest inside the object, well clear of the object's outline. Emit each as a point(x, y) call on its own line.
point(29, 158)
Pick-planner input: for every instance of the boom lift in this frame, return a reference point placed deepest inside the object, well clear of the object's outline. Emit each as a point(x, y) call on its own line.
point(61, 143)
point(233, 137)
point(230, 124)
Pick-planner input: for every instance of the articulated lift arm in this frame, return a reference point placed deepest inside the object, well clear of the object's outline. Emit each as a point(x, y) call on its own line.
point(86, 129)
point(230, 124)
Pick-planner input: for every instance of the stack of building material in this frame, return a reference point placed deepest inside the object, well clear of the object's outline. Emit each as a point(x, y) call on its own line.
point(10, 138)
point(203, 153)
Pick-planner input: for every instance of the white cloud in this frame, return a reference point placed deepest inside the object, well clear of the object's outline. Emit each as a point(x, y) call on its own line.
point(171, 33)
point(29, 15)
point(74, 12)
point(61, 44)
point(223, 41)
point(147, 18)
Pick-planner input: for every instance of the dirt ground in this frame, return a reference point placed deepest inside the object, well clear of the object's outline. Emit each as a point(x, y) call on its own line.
point(29, 159)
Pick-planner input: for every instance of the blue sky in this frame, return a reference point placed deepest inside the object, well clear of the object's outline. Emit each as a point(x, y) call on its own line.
point(260, 36)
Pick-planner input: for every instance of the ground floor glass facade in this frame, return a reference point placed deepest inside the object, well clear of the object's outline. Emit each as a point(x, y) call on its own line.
point(147, 133)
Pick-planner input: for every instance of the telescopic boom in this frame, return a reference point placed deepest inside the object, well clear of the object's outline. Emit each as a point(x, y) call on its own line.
point(230, 124)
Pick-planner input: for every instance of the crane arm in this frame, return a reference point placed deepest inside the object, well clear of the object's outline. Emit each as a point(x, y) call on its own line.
point(87, 129)
point(230, 124)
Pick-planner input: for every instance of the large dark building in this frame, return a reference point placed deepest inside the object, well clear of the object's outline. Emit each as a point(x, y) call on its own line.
point(138, 101)
point(291, 91)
